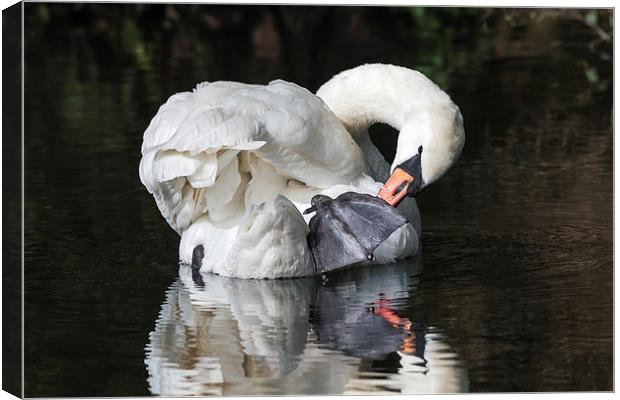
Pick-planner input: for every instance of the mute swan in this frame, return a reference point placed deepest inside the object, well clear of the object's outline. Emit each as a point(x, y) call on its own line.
point(231, 165)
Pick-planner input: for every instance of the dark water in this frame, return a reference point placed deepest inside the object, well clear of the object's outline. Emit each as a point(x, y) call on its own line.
point(512, 291)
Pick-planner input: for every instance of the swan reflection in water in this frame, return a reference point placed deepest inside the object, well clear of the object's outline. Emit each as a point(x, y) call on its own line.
point(227, 336)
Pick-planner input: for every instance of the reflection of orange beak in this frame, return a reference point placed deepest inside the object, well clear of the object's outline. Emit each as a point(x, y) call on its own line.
point(381, 309)
point(395, 189)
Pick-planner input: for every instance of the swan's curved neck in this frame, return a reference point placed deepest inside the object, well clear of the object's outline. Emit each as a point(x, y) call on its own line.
point(408, 101)
point(379, 93)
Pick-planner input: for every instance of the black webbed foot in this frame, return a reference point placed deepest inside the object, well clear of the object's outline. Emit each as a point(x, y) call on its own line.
point(197, 256)
point(348, 229)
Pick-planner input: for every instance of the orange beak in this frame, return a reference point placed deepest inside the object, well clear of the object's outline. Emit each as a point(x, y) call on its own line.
point(395, 189)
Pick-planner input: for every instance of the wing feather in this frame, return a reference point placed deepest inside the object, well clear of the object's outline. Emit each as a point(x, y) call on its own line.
point(192, 146)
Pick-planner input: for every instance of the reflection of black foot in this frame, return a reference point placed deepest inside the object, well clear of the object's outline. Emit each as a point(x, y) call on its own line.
point(197, 278)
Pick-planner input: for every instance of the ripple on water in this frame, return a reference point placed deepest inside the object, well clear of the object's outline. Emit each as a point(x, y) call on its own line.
point(229, 336)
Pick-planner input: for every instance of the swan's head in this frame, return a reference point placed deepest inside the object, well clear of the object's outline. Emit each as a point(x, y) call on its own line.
point(431, 127)
point(429, 143)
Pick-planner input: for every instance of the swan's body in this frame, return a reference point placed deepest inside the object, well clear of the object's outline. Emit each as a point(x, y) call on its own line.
point(231, 165)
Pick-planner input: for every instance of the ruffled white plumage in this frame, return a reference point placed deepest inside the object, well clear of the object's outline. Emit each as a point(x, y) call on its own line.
point(216, 160)
point(195, 138)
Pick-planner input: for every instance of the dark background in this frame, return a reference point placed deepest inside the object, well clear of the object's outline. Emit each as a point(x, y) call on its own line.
point(11, 201)
point(517, 238)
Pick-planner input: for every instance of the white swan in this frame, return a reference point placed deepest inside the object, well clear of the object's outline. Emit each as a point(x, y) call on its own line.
point(231, 165)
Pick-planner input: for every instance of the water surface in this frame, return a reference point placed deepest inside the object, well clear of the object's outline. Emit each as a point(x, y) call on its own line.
point(512, 290)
